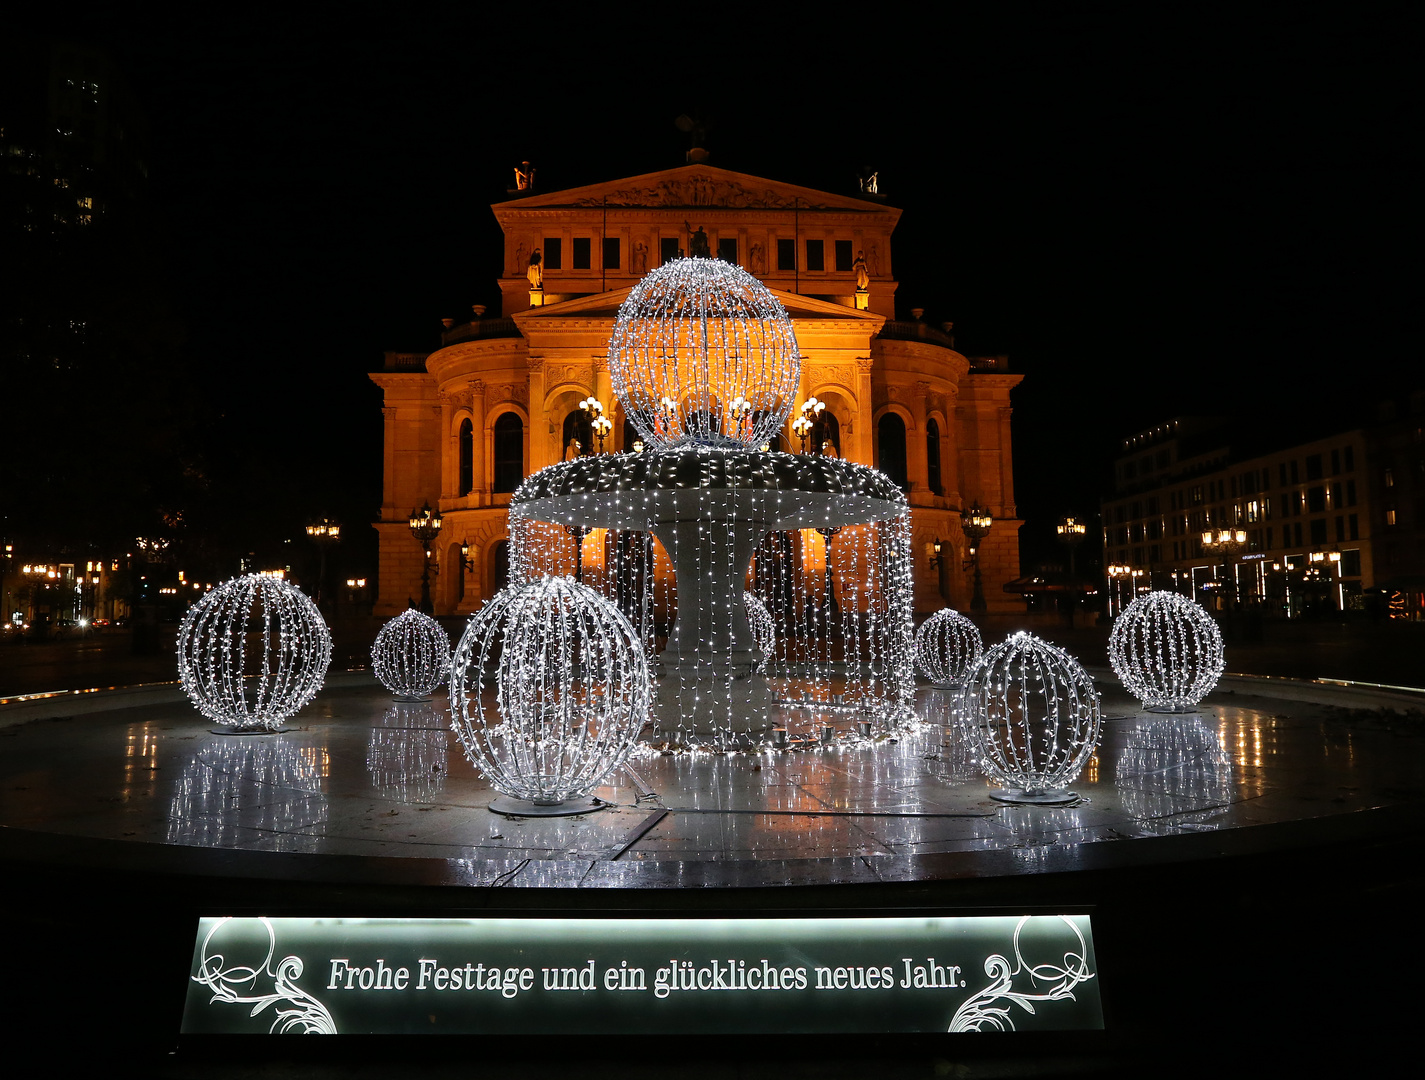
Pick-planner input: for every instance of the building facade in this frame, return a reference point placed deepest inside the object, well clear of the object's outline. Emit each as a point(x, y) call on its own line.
point(1325, 522)
point(501, 398)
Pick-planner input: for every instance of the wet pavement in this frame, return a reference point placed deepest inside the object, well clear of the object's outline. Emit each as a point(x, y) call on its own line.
point(356, 774)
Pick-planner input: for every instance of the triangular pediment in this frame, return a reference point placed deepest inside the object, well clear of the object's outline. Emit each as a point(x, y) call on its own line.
point(605, 306)
point(690, 187)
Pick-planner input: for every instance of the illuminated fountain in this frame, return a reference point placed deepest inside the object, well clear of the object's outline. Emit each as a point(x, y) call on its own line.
point(705, 364)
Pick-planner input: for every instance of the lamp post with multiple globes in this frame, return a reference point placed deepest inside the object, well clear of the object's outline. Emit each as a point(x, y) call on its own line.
point(976, 523)
point(323, 534)
point(1227, 543)
point(425, 527)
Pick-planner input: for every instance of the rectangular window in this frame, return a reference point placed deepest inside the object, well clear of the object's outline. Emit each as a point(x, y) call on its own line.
point(1335, 462)
point(786, 254)
point(1353, 526)
point(1389, 477)
point(1269, 538)
point(583, 252)
point(1296, 531)
point(1313, 466)
point(844, 258)
point(1390, 517)
point(727, 249)
point(1351, 563)
point(1316, 499)
point(816, 255)
point(1293, 472)
point(553, 253)
point(1350, 459)
point(1282, 469)
point(1333, 496)
point(1340, 527)
point(667, 249)
point(1318, 530)
point(1350, 493)
point(611, 253)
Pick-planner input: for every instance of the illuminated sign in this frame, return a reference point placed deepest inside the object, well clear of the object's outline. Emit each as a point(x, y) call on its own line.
point(627, 976)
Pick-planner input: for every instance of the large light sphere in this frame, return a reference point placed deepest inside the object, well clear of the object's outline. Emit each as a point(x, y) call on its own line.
point(252, 652)
point(702, 352)
point(1167, 651)
point(946, 645)
point(411, 655)
point(764, 628)
point(1034, 714)
point(571, 693)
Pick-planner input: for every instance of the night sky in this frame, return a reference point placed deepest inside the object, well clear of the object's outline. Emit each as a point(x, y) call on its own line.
point(1153, 216)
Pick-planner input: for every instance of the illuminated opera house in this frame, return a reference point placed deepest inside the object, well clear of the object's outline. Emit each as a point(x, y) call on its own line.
point(505, 396)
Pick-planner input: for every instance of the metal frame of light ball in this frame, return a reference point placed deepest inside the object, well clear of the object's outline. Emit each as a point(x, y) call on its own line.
point(1167, 651)
point(572, 694)
point(1032, 766)
point(411, 656)
point(946, 647)
point(213, 653)
point(701, 351)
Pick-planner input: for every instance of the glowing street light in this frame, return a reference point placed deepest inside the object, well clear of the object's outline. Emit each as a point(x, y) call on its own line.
point(976, 522)
point(425, 527)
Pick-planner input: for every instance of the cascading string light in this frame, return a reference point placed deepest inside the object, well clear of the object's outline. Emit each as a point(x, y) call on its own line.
point(572, 691)
point(764, 630)
point(231, 682)
point(946, 647)
point(411, 656)
point(1167, 652)
point(1034, 714)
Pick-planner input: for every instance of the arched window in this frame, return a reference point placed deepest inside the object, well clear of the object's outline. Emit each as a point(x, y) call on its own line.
point(467, 456)
point(932, 456)
point(890, 442)
point(509, 452)
point(576, 426)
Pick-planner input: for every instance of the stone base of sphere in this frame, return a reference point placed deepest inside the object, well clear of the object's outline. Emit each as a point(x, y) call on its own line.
point(1055, 797)
point(508, 806)
point(707, 703)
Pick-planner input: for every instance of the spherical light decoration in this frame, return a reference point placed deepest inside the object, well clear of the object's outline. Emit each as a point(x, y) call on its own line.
point(252, 652)
point(946, 645)
point(411, 655)
point(571, 691)
point(1034, 714)
point(703, 352)
point(764, 629)
point(1167, 651)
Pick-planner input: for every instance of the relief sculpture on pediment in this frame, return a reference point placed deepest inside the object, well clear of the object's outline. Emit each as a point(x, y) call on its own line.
point(697, 190)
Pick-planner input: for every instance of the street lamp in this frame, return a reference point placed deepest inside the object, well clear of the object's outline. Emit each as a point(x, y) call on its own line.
point(802, 426)
point(976, 522)
point(601, 426)
point(1116, 573)
point(425, 527)
point(323, 534)
point(1071, 534)
point(1226, 542)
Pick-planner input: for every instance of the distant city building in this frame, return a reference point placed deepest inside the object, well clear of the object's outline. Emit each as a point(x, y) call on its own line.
point(1324, 522)
point(501, 398)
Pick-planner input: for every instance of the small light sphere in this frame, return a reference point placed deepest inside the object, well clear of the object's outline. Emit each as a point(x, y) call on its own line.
point(1034, 714)
point(572, 690)
point(411, 655)
point(946, 646)
point(252, 652)
point(1167, 651)
point(764, 629)
point(702, 352)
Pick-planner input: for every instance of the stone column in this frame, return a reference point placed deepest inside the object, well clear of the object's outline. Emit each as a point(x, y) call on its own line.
point(865, 408)
point(537, 436)
point(449, 447)
point(480, 489)
point(1006, 466)
point(917, 462)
